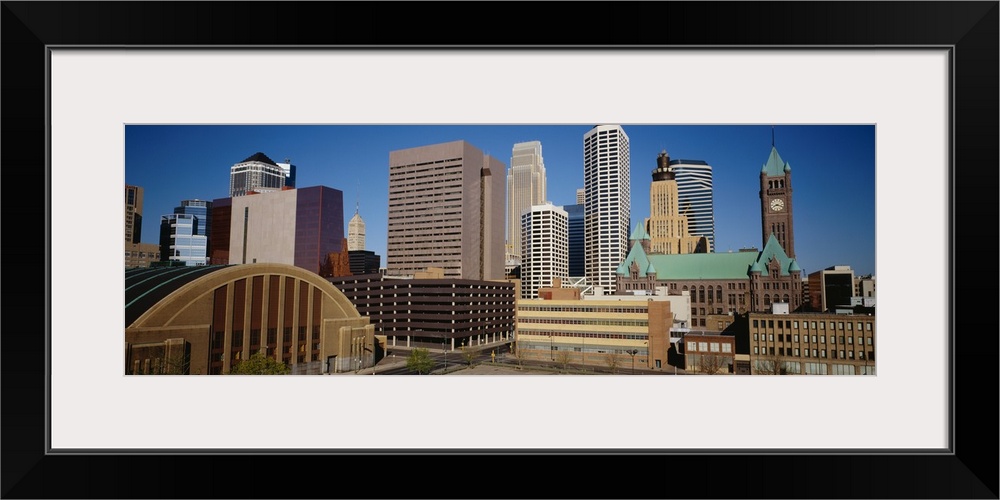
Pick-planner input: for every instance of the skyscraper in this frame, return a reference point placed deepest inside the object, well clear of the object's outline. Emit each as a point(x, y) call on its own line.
point(300, 227)
point(694, 197)
point(581, 196)
point(133, 214)
point(257, 173)
point(356, 232)
point(446, 209)
point(289, 170)
point(668, 228)
point(137, 254)
point(525, 188)
point(184, 234)
point(544, 248)
point(577, 237)
point(607, 209)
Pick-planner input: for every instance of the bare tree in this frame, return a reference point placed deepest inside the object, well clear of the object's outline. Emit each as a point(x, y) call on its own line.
point(771, 365)
point(563, 359)
point(612, 362)
point(710, 364)
point(515, 350)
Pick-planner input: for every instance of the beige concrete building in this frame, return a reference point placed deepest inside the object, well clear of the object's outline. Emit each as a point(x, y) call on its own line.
point(617, 334)
point(446, 209)
point(356, 232)
point(201, 321)
point(525, 188)
point(300, 227)
point(667, 226)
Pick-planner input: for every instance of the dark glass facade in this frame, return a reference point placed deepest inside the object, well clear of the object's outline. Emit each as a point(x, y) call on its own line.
point(577, 262)
point(319, 225)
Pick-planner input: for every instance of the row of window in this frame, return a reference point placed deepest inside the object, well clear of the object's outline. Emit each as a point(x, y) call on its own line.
point(812, 325)
point(813, 353)
point(725, 347)
point(805, 338)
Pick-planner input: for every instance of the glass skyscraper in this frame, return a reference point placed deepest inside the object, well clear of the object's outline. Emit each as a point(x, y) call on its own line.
point(694, 197)
point(577, 249)
point(184, 234)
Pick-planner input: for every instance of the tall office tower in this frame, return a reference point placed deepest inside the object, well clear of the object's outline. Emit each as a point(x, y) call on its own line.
point(776, 202)
point(301, 227)
point(356, 232)
point(446, 209)
point(257, 173)
point(577, 248)
point(694, 197)
point(184, 234)
point(133, 214)
point(668, 228)
point(581, 196)
point(544, 248)
point(289, 170)
point(607, 209)
point(525, 188)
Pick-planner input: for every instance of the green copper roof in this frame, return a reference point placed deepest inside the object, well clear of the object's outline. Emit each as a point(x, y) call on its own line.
point(775, 166)
point(639, 233)
point(708, 266)
point(772, 250)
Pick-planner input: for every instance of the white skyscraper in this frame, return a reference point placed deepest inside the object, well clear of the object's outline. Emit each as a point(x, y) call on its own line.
point(356, 232)
point(694, 197)
point(607, 208)
point(544, 248)
point(525, 188)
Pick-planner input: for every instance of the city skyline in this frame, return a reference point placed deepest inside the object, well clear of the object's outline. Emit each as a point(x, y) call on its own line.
point(833, 226)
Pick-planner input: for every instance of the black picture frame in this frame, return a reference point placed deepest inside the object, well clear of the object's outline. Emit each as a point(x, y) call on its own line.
point(969, 28)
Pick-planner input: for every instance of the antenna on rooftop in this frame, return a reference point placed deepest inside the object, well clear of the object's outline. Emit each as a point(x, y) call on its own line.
point(772, 136)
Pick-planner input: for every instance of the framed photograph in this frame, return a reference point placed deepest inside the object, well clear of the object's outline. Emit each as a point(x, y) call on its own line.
point(924, 74)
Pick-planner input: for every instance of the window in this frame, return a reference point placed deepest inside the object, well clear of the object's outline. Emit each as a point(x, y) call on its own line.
point(813, 325)
point(703, 346)
point(822, 353)
point(815, 356)
point(755, 323)
point(796, 351)
point(850, 354)
point(849, 327)
point(714, 346)
point(822, 338)
point(860, 341)
point(755, 337)
point(869, 341)
point(795, 324)
point(841, 354)
point(781, 337)
point(868, 326)
point(850, 340)
point(727, 348)
point(755, 350)
point(795, 338)
point(692, 346)
point(770, 337)
point(814, 339)
point(822, 325)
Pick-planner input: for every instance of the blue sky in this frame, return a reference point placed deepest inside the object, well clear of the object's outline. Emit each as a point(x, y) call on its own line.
point(833, 172)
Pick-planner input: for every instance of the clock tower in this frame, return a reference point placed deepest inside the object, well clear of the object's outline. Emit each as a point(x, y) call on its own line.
point(776, 202)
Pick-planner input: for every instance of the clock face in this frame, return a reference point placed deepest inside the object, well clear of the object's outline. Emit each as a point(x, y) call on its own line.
point(777, 204)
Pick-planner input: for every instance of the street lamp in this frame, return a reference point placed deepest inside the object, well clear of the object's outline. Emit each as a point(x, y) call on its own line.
point(632, 353)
